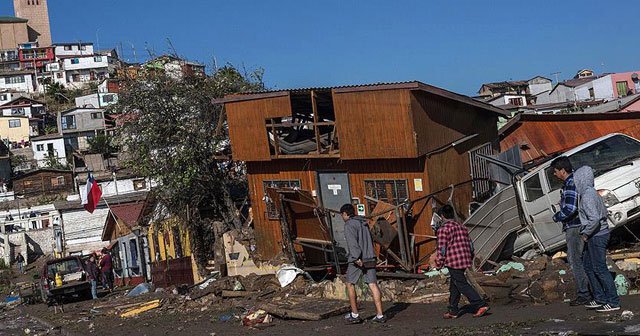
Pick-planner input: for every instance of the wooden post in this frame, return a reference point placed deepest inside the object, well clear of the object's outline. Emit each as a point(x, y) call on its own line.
point(314, 108)
point(276, 146)
point(286, 235)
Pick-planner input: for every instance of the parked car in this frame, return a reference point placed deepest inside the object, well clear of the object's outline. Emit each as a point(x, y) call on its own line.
point(516, 220)
point(71, 270)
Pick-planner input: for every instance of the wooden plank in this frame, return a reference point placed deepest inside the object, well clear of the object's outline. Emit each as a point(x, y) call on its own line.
point(305, 308)
point(149, 306)
point(626, 255)
point(236, 294)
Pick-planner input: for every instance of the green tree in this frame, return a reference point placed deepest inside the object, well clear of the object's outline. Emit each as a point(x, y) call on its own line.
point(51, 161)
point(101, 144)
point(173, 134)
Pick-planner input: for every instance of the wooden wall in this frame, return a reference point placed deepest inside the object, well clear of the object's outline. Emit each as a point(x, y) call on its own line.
point(268, 233)
point(247, 130)
point(544, 136)
point(439, 121)
point(374, 124)
point(40, 182)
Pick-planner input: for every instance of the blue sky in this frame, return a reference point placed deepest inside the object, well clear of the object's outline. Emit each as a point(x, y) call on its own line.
point(453, 44)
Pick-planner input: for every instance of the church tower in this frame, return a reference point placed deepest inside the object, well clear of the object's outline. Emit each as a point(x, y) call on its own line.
point(37, 12)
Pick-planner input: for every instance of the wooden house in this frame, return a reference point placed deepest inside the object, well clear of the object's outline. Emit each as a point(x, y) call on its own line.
point(43, 181)
point(358, 144)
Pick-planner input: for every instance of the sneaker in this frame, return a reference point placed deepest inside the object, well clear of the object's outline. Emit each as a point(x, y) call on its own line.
point(377, 319)
point(450, 315)
point(607, 308)
point(579, 302)
point(352, 320)
point(481, 311)
point(592, 305)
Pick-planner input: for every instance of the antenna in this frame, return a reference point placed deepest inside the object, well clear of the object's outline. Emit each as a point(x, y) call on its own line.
point(175, 53)
point(556, 74)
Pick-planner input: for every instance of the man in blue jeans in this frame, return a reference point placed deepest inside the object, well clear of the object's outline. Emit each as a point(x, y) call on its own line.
point(568, 215)
point(595, 233)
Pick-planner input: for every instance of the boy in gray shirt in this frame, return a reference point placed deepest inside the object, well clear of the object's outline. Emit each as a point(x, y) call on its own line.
point(361, 258)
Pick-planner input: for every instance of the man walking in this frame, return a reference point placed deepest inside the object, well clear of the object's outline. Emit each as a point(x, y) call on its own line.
point(362, 263)
point(20, 262)
point(454, 252)
point(595, 232)
point(568, 215)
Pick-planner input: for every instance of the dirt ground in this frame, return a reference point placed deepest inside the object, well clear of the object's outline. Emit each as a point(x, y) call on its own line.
point(405, 319)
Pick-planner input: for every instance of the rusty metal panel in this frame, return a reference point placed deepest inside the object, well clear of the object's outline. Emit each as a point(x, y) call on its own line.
point(539, 136)
point(172, 272)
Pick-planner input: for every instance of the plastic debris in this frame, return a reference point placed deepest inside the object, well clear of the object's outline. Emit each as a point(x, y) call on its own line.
point(238, 286)
point(437, 272)
point(140, 289)
point(622, 284)
point(511, 265)
point(562, 272)
point(287, 273)
point(253, 318)
point(627, 315)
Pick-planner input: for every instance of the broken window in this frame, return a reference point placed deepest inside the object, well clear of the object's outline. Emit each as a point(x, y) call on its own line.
point(309, 131)
point(389, 191)
point(271, 209)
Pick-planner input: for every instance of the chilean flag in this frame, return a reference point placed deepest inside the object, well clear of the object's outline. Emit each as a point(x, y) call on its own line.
point(92, 197)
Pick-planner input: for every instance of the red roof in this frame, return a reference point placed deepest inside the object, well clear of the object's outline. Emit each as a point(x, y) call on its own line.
point(128, 213)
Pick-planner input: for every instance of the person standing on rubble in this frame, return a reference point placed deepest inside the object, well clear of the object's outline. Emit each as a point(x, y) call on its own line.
point(361, 258)
point(455, 252)
point(595, 233)
point(106, 267)
point(92, 275)
point(568, 215)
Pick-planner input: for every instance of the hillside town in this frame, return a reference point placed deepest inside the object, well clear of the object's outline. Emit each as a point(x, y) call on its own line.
point(169, 197)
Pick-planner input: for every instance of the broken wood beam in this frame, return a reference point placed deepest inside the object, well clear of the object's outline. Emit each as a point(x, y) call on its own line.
point(620, 256)
point(146, 307)
point(235, 294)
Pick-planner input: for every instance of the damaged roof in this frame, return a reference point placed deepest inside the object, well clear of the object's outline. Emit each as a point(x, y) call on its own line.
point(409, 85)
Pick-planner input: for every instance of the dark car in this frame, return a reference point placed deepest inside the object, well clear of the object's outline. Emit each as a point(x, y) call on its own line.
point(74, 279)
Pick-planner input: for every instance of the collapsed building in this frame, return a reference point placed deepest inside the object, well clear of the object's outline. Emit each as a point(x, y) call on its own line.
point(394, 150)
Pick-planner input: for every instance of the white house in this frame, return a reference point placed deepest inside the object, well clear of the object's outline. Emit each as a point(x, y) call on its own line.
point(97, 100)
point(46, 146)
point(17, 80)
point(73, 49)
point(10, 95)
point(22, 106)
point(120, 186)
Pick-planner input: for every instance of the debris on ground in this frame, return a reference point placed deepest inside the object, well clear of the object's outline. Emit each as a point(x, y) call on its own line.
point(140, 289)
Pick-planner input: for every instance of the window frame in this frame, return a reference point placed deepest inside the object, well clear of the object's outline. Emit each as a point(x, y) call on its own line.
point(13, 121)
point(526, 188)
point(395, 199)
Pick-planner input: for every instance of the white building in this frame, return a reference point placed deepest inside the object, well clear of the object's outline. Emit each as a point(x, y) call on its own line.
point(97, 100)
point(120, 186)
point(46, 146)
point(10, 95)
point(21, 81)
point(73, 49)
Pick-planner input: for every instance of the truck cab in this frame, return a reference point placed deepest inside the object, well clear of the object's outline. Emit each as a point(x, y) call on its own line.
point(615, 159)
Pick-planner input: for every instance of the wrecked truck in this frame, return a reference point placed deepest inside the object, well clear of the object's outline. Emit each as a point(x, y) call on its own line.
point(518, 218)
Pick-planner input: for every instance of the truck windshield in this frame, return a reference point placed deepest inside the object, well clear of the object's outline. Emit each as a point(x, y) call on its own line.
point(64, 267)
point(603, 156)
